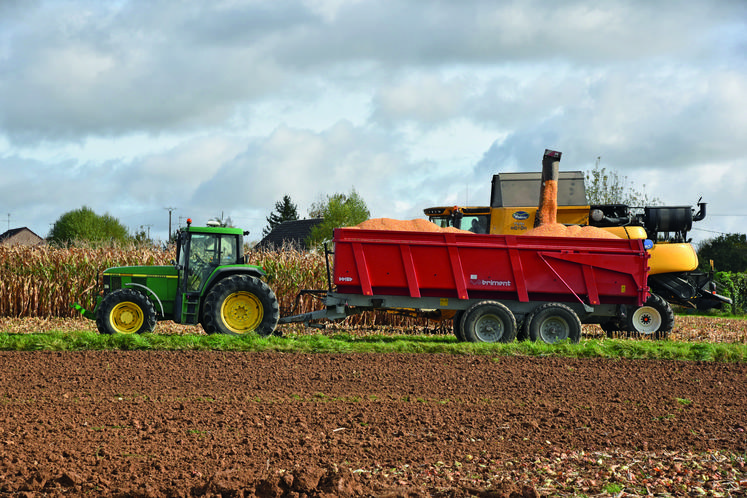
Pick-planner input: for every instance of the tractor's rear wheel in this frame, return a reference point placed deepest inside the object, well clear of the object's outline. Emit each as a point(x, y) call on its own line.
point(241, 304)
point(125, 311)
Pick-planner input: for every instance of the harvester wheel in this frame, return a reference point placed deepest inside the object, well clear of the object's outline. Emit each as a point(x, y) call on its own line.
point(654, 319)
point(125, 311)
point(554, 322)
point(488, 321)
point(241, 304)
point(458, 332)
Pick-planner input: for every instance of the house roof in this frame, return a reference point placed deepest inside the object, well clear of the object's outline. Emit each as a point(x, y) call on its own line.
point(289, 233)
point(15, 232)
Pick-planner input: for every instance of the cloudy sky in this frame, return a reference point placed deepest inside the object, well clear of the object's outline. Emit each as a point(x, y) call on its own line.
point(222, 107)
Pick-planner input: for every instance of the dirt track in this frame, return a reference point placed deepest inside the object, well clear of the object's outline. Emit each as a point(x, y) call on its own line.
point(242, 424)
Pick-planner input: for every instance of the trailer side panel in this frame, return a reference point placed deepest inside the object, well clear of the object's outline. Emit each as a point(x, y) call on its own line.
point(501, 267)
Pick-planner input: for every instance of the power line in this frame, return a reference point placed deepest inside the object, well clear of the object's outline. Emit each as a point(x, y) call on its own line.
point(709, 231)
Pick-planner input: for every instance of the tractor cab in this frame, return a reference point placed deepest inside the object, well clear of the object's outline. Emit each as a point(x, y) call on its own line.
point(200, 251)
point(202, 255)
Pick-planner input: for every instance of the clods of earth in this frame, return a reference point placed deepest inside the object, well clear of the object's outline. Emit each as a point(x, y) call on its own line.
point(153, 423)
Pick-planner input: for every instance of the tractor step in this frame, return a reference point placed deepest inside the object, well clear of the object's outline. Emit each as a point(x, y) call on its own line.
point(191, 308)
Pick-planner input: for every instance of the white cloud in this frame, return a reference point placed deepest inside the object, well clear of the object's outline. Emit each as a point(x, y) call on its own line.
point(135, 105)
point(423, 98)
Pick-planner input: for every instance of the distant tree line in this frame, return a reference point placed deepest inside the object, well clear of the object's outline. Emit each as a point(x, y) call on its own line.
point(84, 225)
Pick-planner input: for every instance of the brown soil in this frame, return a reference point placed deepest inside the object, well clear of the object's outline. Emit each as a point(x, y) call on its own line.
point(267, 424)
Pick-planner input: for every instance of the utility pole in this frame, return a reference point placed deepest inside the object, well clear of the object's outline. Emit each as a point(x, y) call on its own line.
point(169, 209)
point(9, 222)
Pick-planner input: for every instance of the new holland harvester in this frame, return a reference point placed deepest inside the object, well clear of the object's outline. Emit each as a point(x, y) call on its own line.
point(673, 278)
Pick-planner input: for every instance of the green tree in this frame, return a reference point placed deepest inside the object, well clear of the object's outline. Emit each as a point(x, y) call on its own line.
point(609, 187)
point(728, 253)
point(285, 210)
point(83, 225)
point(337, 210)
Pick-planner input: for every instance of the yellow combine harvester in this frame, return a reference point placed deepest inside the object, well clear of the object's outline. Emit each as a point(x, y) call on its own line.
point(673, 277)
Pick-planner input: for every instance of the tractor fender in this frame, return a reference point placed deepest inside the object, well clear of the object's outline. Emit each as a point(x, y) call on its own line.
point(148, 291)
point(221, 273)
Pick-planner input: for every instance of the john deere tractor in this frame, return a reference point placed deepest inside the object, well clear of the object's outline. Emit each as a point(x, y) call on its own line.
point(208, 284)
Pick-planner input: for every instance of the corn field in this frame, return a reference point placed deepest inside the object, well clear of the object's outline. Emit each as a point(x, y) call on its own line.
point(42, 282)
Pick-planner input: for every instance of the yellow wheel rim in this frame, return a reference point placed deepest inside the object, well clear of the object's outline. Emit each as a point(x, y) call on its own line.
point(126, 318)
point(242, 312)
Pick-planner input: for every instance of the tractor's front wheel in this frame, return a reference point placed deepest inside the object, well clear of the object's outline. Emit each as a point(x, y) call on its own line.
point(241, 304)
point(125, 311)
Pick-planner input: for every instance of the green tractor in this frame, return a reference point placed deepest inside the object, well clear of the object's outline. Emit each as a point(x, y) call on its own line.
point(209, 284)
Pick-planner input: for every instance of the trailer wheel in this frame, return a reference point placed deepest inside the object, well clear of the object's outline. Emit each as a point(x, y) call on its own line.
point(458, 332)
point(554, 322)
point(240, 304)
point(522, 329)
point(125, 311)
point(654, 319)
point(488, 321)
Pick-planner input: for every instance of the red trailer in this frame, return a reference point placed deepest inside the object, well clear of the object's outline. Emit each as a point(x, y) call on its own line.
point(491, 282)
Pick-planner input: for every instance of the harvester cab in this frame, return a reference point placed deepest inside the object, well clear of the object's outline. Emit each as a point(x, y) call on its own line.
point(209, 284)
point(674, 263)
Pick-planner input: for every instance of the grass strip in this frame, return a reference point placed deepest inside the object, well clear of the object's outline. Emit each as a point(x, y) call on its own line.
point(344, 343)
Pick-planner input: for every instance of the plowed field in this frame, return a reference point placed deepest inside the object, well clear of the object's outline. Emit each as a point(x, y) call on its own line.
point(243, 424)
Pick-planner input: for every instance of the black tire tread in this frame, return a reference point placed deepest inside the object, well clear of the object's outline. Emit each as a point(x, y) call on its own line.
point(474, 311)
point(457, 326)
point(211, 319)
point(120, 296)
point(574, 322)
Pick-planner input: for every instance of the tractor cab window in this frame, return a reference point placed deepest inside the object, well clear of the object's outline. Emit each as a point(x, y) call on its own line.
point(202, 250)
point(206, 252)
point(228, 250)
